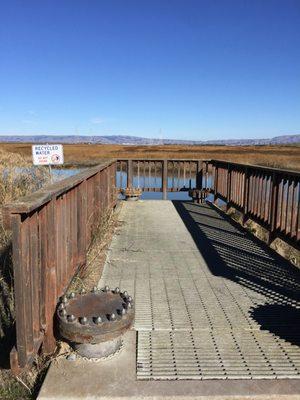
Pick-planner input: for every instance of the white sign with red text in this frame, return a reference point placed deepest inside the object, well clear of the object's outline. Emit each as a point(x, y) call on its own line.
point(47, 154)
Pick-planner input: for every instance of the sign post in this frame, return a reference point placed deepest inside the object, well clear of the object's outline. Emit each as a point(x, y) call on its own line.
point(48, 154)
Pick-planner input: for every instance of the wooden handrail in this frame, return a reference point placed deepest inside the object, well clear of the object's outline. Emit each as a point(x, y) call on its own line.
point(51, 232)
point(35, 200)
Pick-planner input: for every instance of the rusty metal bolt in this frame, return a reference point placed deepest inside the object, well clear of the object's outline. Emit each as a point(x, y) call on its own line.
point(63, 312)
point(106, 288)
point(61, 306)
point(95, 289)
point(123, 312)
point(112, 317)
point(83, 320)
point(71, 318)
point(125, 293)
point(98, 320)
point(72, 295)
point(64, 299)
point(117, 290)
point(129, 299)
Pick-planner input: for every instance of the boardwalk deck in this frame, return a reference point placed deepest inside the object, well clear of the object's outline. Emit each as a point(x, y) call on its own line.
point(211, 301)
point(213, 305)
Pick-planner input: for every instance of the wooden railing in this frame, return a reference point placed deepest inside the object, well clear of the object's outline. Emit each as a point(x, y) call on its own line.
point(51, 231)
point(52, 228)
point(269, 196)
point(158, 175)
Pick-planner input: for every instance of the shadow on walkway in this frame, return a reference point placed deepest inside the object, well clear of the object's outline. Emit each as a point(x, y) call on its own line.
point(233, 253)
point(285, 326)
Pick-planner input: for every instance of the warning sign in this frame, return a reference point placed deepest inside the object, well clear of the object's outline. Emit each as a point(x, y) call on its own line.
point(47, 154)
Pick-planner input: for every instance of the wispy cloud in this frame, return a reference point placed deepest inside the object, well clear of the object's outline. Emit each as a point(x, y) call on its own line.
point(96, 120)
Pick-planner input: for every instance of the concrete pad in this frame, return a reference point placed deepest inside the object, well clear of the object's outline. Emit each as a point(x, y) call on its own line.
point(115, 379)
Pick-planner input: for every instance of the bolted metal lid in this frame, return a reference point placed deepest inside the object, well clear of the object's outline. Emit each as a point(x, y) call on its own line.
point(96, 316)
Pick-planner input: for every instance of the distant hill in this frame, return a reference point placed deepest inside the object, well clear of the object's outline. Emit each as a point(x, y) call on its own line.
point(134, 140)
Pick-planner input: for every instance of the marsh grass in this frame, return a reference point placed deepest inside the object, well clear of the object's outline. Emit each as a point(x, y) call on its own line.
point(89, 275)
point(86, 154)
point(17, 178)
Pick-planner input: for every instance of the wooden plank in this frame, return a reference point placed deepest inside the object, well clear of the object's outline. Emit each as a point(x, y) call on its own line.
point(129, 173)
point(19, 291)
point(50, 263)
point(59, 240)
point(274, 203)
point(165, 179)
point(82, 219)
point(35, 274)
point(43, 259)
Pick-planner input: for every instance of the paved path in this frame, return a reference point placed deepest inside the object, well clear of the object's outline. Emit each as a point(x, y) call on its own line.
point(211, 301)
point(212, 304)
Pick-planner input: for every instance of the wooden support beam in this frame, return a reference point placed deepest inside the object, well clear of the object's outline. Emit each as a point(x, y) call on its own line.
point(129, 173)
point(165, 179)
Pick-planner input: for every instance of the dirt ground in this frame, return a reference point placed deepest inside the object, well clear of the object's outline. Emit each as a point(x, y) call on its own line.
point(287, 157)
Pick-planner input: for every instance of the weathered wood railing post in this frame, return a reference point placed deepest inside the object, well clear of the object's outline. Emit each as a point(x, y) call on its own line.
point(273, 207)
point(82, 221)
point(165, 179)
point(48, 261)
point(245, 196)
point(129, 173)
point(199, 174)
point(228, 191)
point(215, 168)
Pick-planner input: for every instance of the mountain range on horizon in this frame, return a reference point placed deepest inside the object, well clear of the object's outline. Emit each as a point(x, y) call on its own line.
point(135, 140)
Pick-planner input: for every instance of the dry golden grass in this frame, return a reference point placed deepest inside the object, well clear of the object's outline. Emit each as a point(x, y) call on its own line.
point(274, 156)
point(90, 274)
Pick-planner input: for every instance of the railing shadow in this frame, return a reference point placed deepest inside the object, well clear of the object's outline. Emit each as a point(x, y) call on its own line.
point(231, 252)
point(284, 325)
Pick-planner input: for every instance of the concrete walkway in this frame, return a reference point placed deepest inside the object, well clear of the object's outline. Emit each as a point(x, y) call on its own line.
point(212, 304)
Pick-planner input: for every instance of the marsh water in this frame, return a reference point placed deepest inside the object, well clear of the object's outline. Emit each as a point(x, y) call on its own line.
point(182, 184)
point(140, 181)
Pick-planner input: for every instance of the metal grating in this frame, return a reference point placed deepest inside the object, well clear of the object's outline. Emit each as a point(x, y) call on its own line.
point(213, 305)
point(215, 355)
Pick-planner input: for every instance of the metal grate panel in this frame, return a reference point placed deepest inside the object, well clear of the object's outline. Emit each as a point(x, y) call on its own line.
point(215, 355)
point(201, 314)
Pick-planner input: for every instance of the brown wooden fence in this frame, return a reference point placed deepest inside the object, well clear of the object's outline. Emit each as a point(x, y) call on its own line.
point(51, 231)
point(52, 228)
point(158, 175)
point(269, 196)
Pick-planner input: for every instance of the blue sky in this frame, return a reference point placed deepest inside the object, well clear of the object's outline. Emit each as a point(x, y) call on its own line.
point(178, 69)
